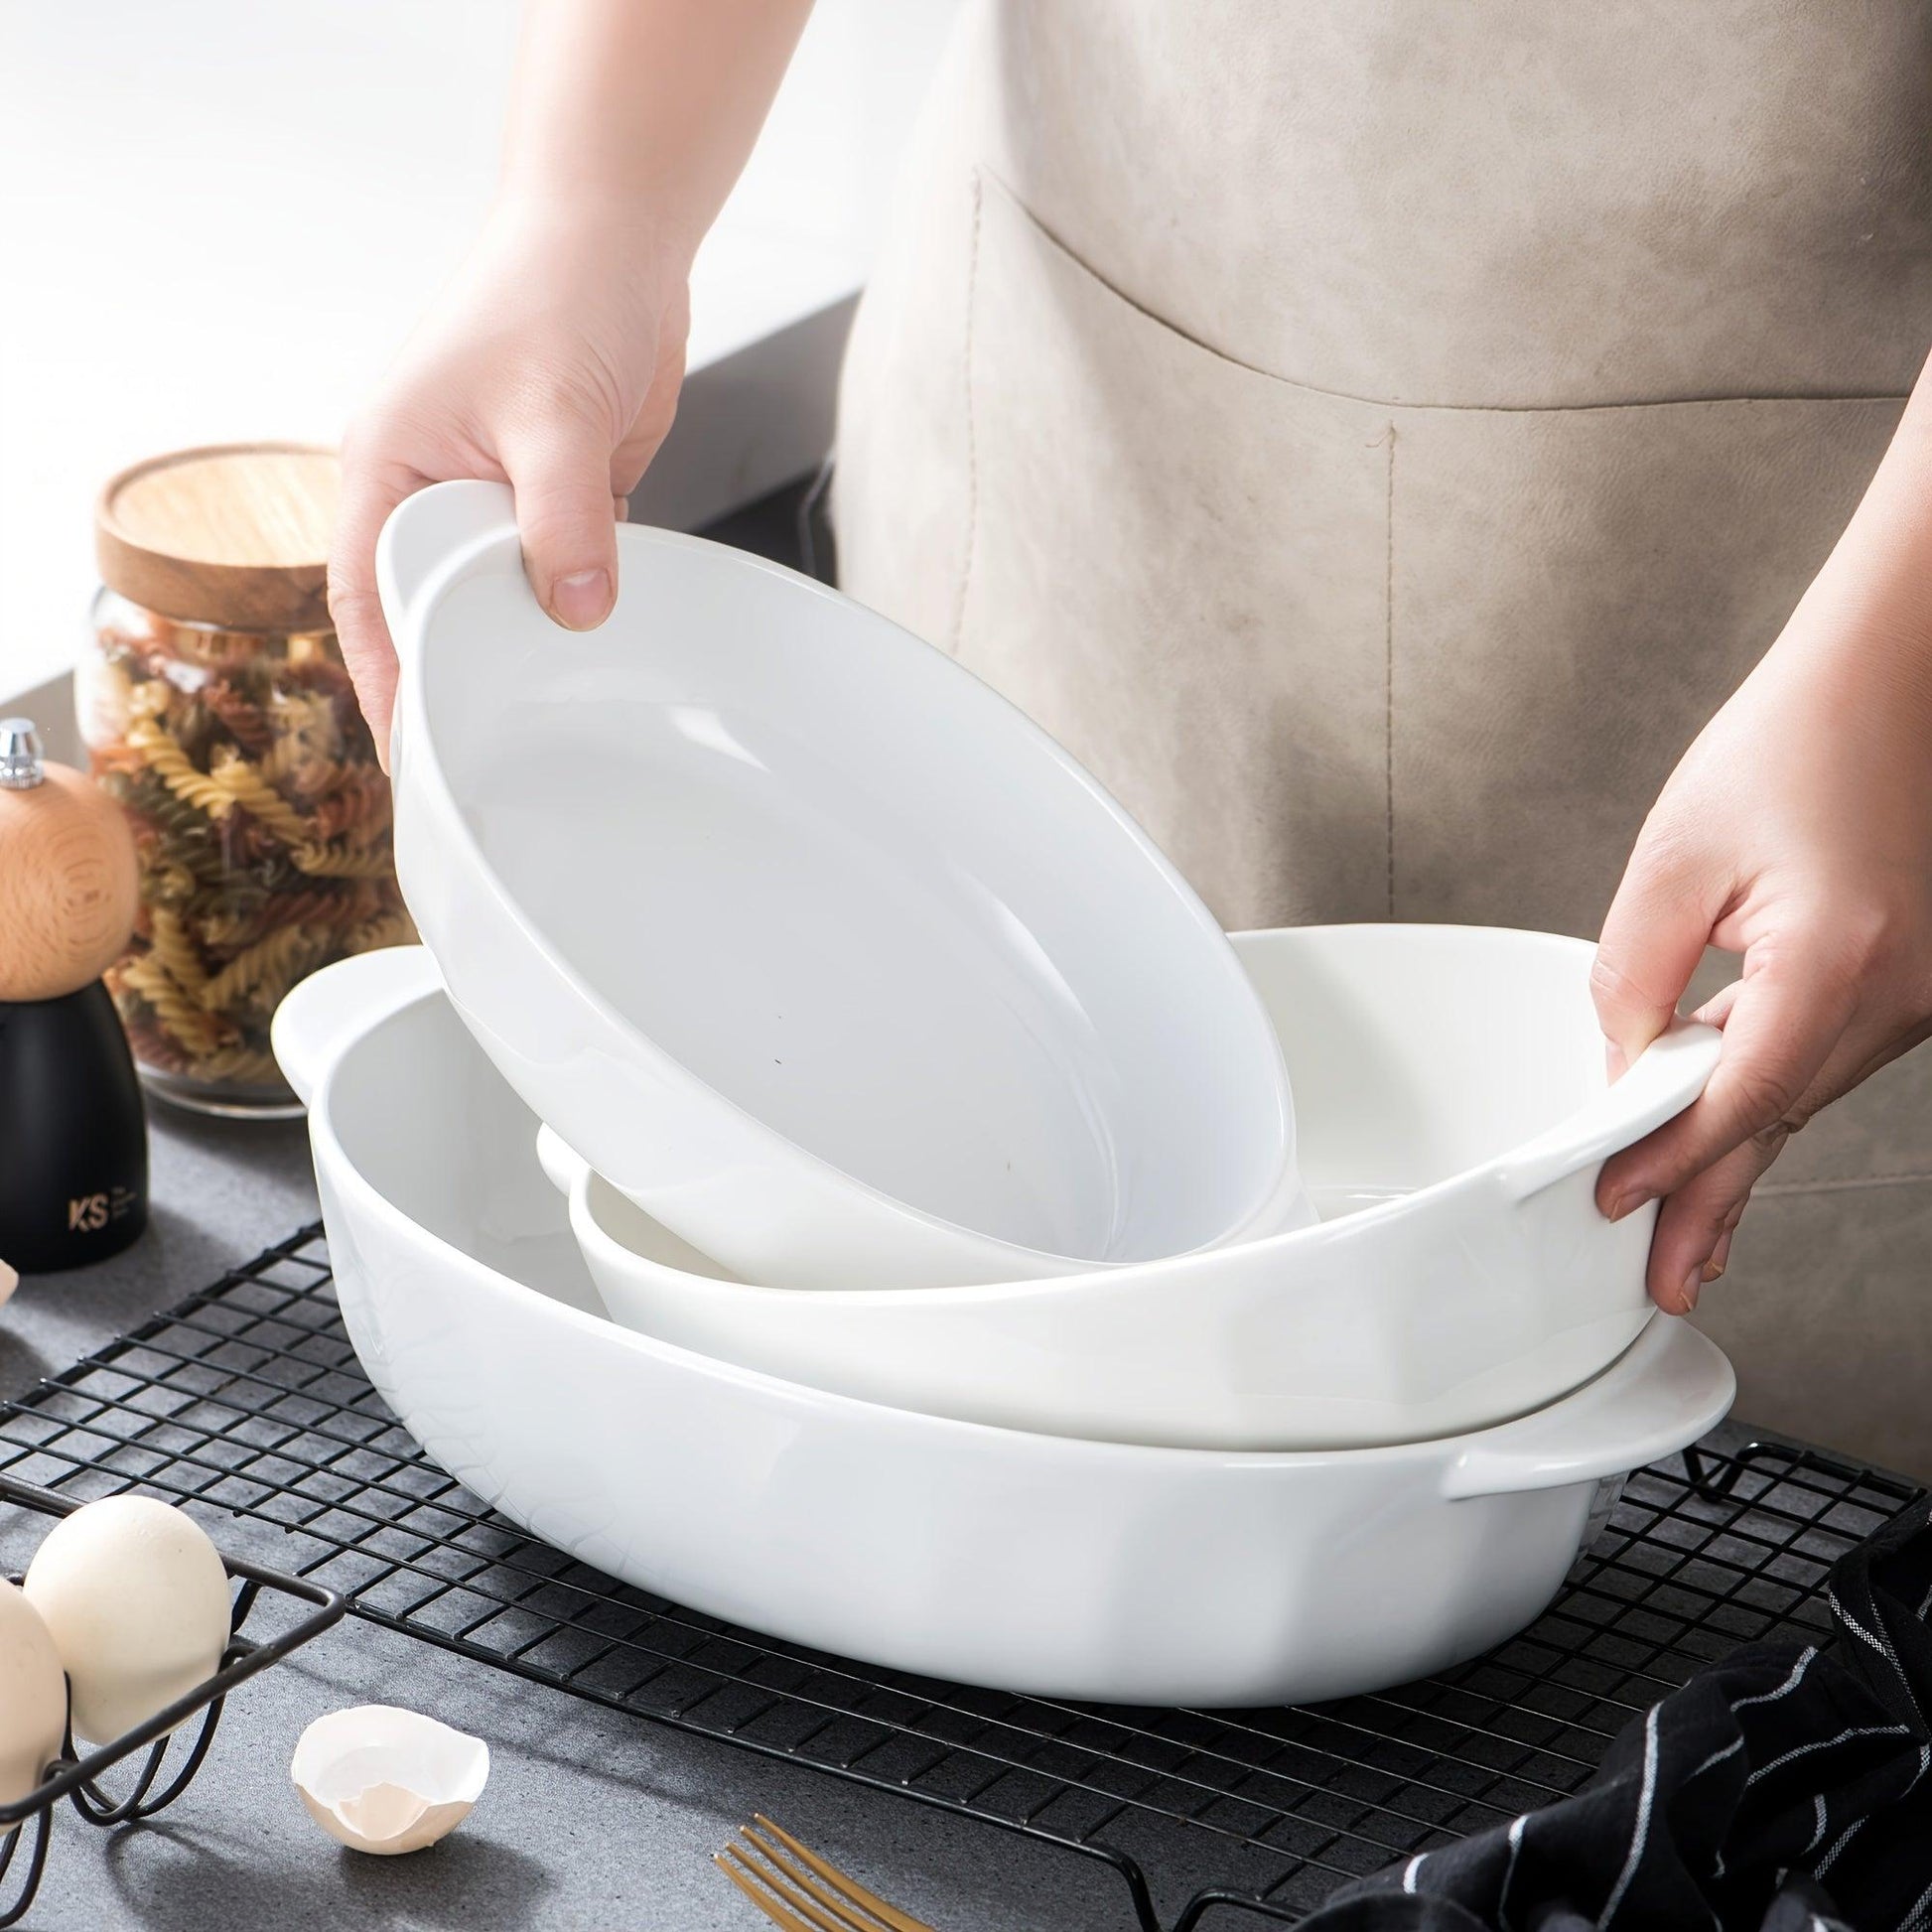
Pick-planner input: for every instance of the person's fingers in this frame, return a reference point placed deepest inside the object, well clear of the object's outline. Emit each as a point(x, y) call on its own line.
point(1695, 1225)
point(1716, 1010)
point(1721, 1254)
point(370, 489)
point(1787, 1017)
point(1653, 937)
point(564, 509)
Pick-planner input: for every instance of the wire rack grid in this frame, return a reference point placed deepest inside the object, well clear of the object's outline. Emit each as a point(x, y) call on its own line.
point(247, 1399)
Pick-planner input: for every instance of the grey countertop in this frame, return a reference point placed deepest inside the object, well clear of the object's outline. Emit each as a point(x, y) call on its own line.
point(591, 1819)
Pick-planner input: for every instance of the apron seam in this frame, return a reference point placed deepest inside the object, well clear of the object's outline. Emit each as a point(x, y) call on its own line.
point(972, 428)
point(1688, 398)
point(1388, 667)
point(1847, 1185)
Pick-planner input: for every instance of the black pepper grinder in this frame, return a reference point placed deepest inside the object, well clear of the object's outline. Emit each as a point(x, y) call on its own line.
point(74, 1140)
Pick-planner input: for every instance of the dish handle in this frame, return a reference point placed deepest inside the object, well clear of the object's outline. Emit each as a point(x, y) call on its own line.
point(1667, 1389)
point(562, 1167)
point(328, 1009)
point(432, 532)
point(1662, 1081)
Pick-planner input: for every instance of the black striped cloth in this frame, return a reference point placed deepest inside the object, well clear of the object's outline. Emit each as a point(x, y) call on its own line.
point(1784, 1790)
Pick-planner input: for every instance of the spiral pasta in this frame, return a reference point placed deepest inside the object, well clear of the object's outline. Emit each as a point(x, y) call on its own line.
point(175, 952)
point(166, 756)
point(270, 966)
point(180, 1015)
point(247, 723)
point(386, 929)
point(241, 784)
point(341, 862)
point(338, 905)
point(355, 804)
point(262, 826)
point(241, 1066)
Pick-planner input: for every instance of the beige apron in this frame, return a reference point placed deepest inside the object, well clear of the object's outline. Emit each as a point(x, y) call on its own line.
point(1374, 434)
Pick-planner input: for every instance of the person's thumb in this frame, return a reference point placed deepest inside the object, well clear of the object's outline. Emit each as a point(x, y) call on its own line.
point(565, 513)
point(371, 491)
point(1653, 937)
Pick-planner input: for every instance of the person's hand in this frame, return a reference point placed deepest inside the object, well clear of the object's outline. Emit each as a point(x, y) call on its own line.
point(1796, 831)
point(552, 364)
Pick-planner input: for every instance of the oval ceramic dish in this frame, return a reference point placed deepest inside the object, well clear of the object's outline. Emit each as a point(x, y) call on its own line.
point(1453, 1113)
point(1032, 1562)
point(807, 939)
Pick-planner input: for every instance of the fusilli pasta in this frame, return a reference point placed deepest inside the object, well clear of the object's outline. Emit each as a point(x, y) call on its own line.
point(262, 831)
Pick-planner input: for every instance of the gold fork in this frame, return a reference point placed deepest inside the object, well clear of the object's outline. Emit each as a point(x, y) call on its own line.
point(795, 1888)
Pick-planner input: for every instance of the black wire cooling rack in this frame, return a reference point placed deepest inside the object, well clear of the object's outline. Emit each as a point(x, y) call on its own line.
point(247, 1398)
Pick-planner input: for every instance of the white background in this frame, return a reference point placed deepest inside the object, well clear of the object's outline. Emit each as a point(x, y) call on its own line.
point(220, 218)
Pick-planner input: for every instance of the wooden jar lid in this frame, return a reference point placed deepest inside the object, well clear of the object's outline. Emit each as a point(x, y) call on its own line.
point(235, 535)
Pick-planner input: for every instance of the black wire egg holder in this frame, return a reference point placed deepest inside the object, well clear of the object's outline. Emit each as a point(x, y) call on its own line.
point(77, 1777)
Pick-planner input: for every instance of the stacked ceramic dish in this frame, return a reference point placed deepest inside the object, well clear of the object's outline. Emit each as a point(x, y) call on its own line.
point(835, 1173)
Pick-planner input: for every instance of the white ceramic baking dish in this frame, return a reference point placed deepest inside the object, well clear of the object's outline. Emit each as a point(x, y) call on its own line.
point(1032, 1562)
point(804, 936)
point(1453, 1113)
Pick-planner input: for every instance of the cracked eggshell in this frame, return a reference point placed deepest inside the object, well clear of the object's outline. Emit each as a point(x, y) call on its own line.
point(386, 1780)
point(136, 1600)
point(33, 1697)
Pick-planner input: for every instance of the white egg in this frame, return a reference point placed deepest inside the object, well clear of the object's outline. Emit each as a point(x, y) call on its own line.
point(136, 1600)
point(33, 1697)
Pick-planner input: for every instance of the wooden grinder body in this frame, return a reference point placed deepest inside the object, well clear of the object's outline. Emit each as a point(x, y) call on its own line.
point(73, 1145)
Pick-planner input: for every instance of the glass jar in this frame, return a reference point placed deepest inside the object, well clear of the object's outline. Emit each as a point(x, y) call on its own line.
point(218, 712)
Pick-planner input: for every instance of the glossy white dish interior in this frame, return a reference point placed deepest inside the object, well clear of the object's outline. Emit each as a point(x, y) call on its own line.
point(805, 938)
point(1032, 1562)
point(1453, 1113)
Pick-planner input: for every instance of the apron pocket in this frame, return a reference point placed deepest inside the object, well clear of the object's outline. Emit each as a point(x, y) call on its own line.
point(1352, 661)
point(1179, 567)
point(1574, 593)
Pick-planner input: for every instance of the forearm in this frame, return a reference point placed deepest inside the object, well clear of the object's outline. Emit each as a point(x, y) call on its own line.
point(1797, 832)
point(1867, 615)
point(644, 111)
